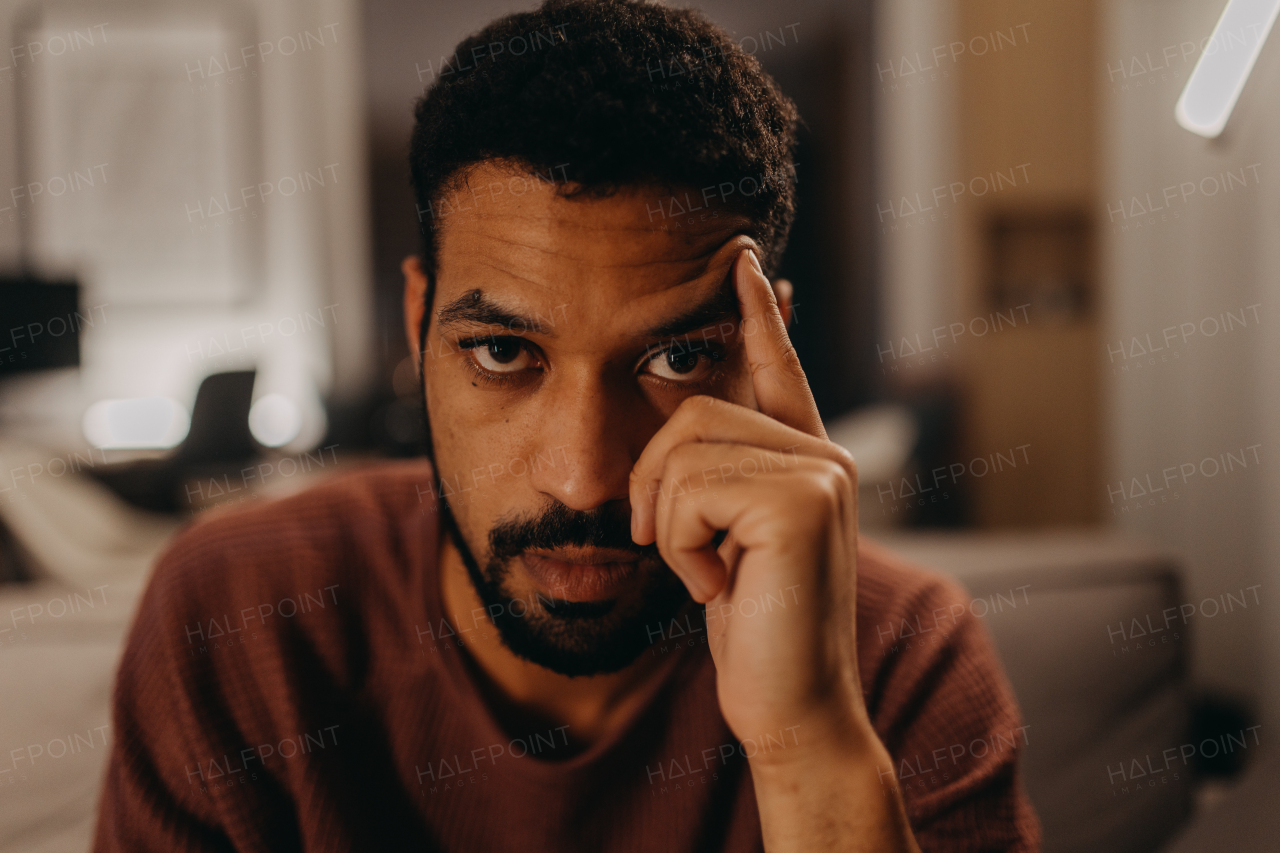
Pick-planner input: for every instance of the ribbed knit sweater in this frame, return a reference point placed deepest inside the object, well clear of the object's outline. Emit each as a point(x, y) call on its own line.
point(291, 682)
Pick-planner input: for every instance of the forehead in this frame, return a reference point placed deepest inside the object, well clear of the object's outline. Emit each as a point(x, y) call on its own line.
point(510, 234)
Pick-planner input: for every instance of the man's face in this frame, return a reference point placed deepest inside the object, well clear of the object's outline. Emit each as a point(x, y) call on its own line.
point(563, 334)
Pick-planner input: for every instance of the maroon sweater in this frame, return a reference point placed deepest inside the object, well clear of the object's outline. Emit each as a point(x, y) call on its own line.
point(292, 683)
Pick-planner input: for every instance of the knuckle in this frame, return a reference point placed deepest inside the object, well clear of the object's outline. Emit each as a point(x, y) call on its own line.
point(845, 459)
point(699, 413)
point(696, 405)
point(782, 341)
point(833, 481)
point(681, 457)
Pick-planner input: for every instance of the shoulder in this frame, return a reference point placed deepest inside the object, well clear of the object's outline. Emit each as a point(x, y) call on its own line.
point(302, 537)
point(920, 646)
point(939, 700)
point(902, 607)
point(253, 581)
point(374, 496)
point(253, 623)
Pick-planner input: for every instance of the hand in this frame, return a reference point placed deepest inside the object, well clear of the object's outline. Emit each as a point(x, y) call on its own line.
point(780, 590)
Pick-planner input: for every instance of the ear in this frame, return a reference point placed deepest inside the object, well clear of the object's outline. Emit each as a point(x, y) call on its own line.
point(415, 304)
point(782, 292)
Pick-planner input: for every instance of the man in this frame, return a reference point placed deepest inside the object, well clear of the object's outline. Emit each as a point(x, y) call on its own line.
point(624, 606)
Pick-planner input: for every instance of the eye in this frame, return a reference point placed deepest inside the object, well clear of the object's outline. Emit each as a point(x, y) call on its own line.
point(502, 355)
point(683, 363)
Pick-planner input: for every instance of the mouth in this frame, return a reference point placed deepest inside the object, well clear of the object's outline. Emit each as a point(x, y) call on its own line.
point(582, 574)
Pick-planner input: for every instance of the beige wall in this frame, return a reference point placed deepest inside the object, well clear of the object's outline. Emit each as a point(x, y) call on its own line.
point(1192, 262)
point(1034, 103)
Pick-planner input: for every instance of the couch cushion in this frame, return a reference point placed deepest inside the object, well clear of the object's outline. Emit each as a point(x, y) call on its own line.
point(59, 648)
point(1082, 624)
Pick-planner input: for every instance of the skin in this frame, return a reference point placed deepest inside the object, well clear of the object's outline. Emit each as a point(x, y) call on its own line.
point(733, 446)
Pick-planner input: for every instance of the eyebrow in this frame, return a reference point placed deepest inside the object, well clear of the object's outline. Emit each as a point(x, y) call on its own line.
point(721, 306)
point(474, 307)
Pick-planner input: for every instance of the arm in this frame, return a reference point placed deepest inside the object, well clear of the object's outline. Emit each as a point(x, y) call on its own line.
point(833, 799)
point(947, 733)
point(784, 499)
point(940, 702)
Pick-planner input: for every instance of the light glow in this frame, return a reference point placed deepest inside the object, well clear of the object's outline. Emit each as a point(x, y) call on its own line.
point(138, 423)
point(1219, 76)
point(275, 420)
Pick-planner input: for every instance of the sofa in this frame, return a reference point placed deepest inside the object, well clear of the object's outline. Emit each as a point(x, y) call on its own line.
point(1095, 639)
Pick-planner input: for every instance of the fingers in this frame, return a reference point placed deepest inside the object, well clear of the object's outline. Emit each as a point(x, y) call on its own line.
point(786, 417)
point(783, 293)
point(781, 389)
point(710, 420)
point(767, 501)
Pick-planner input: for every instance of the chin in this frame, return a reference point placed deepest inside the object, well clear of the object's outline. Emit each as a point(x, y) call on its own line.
point(588, 634)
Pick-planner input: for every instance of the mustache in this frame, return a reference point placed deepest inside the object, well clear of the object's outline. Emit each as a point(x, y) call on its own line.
point(606, 526)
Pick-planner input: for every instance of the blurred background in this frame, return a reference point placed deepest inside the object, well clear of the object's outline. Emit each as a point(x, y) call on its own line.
point(1037, 310)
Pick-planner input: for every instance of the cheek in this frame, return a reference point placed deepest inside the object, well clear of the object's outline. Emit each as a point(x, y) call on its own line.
point(455, 403)
point(473, 445)
point(733, 386)
point(479, 454)
point(468, 475)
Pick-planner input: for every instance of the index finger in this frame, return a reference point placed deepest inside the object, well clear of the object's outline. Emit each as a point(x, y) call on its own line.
point(781, 388)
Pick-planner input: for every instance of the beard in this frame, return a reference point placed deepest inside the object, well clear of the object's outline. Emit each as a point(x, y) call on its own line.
point(574, 638)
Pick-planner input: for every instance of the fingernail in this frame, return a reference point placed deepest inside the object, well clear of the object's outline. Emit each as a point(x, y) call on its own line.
point(755, 261)
point(742, 275)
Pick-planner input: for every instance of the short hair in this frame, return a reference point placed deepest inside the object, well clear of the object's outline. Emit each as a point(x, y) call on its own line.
point(605, 94)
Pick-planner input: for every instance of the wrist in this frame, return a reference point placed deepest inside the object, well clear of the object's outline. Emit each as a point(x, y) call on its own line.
point(804, 799)
point(842, 738)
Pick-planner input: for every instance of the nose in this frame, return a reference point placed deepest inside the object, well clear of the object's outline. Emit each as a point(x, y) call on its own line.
point(592, 434)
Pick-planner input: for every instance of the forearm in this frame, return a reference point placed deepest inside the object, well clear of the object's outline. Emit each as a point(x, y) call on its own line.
point(834, 797)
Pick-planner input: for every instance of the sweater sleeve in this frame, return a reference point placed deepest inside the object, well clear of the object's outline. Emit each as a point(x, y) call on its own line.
point(192, 701)
point(941, 704)
point(149, 800)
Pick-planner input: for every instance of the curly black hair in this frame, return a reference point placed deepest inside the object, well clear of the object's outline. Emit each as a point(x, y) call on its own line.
point(597, 95)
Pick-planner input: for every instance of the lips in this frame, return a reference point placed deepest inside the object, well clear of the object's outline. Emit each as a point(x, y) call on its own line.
point(587, 574)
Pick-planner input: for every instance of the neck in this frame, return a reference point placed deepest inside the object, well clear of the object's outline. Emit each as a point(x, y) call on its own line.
point(524, 696)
